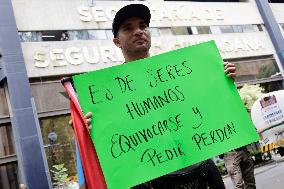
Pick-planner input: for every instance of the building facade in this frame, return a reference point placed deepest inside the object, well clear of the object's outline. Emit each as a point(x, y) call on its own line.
point(63, 38)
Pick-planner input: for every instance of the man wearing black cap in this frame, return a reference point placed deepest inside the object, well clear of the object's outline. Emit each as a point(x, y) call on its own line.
point(131, 31)
point(131, 34)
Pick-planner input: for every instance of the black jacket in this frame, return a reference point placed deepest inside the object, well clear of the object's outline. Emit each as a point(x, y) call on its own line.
point(199, 176)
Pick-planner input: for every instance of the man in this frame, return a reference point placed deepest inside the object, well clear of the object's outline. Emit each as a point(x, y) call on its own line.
point(240, 167)
point(131, 34)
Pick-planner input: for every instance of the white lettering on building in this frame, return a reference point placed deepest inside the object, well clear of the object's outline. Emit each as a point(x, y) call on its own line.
point(97, 14)
point(109, 54)
point(85, 15)
point(57, 57)
point(240, 45)
point(180, 13)
point(40, 59)
point(91, 56)
point(76, 56)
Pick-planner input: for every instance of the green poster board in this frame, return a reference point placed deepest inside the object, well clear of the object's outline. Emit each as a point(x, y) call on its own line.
point(157, 115)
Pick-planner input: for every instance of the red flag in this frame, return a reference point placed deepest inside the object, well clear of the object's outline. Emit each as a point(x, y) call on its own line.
point(92, 170)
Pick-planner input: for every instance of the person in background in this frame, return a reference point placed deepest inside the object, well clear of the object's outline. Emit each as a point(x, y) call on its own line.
point(240, 167)
point(64, 36)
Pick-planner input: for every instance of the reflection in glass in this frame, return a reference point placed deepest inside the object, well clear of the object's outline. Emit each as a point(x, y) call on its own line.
point(282, 25)
point(226, 29)
point(30, 36)
point(248, 28)
point(215, 30)
point(59, 149)
point(237, 29)
point(109, 34)
point(54, 35)
point(256, 69)
point(78, 35)
point(165, 31)
point(194, 30)
point(179, 30)
point(154, 32)
point(203, 29)
point(259, 27)
point(97, 34)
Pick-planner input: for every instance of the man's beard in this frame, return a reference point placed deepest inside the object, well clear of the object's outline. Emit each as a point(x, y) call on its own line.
point(141, 49)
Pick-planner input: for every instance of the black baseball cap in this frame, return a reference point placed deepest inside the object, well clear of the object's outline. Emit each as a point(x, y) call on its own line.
point(129, 11)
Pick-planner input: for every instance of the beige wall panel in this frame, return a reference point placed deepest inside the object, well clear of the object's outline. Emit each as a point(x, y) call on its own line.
point(70, 57)
point(48, 97)
point(35, 15)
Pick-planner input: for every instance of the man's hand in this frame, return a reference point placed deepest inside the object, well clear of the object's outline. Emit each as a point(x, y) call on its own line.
point(88, 118)
point(230, 70)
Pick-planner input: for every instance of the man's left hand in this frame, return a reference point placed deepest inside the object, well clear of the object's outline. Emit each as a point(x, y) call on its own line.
point(230, 70)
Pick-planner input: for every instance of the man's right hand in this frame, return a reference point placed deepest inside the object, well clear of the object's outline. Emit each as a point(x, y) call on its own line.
point(88, 118)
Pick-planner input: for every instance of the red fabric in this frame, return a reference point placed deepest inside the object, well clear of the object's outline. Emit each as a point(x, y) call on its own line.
point(92, 170)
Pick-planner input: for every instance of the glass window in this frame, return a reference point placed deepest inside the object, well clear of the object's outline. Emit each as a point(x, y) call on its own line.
point(248, 28)
point(203, 29)
point(4, 111)
point(272, 86)
point(54, 35)
point(215, 30)
point(30, 36)
point(255, 69)
point(282, 25)
point(179, 30)
point(97, 34)
point(154, 32)
point(92, 34)
point(109, 34)
point(189, 30)
point(64, 36)
point(226, 29)
point(165, 31)
point(259, 27)
point(48, 96)
point(237, 29)
point(194, 30)
point(78, 35)
point(9, 176)
point(59, 143)
point(6, 141)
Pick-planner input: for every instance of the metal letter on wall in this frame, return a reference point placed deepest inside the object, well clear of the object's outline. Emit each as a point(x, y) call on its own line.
point(28, 141)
